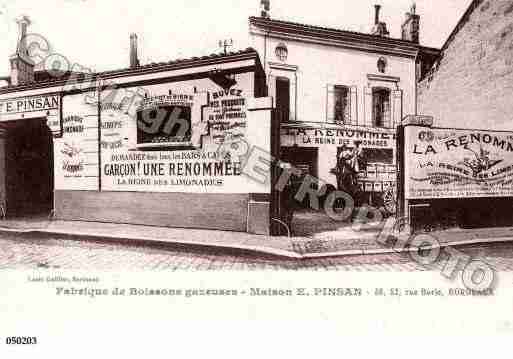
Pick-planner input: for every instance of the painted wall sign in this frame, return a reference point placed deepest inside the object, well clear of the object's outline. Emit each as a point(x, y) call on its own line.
point(134, 158)
point(308, 137)
point(76, 152)
point(104, 147)
point(450, 163)
point(29, 104)
point(226, 115)
point(40, 106)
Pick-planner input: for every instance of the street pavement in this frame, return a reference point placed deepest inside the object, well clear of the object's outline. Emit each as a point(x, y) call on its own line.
point(314, 236)
point(43, 251)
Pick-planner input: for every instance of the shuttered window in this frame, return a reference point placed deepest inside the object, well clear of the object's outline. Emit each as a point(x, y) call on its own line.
point(342, 110)
point(341, 104)
point(382, 114)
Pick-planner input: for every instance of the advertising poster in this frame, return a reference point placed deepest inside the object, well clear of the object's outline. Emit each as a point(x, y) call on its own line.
point(76, 151)
point(453, 163)
point(167, 140)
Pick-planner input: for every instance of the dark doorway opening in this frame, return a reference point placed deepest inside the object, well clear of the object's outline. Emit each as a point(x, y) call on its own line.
point(283, 98)
point(305, 159)
point(29, 168)
point(464, 213)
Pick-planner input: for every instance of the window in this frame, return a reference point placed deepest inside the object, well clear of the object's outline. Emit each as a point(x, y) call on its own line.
point(283, 97)
point(382, 64)
point(381, 114)
point(282, 52)
point(164, 126)
point(342, 103)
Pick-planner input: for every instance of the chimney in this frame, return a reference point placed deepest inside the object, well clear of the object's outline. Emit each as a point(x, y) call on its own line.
point(134, 59)
point(410, 29)
point(265, 8)
point(22, 67)
point(380, 28)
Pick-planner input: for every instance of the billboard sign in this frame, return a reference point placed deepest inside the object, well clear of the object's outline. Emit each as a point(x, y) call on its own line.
point(457, 163)
point(338, 136)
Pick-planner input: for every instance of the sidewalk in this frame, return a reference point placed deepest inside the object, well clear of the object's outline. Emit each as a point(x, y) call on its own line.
point(329, 242)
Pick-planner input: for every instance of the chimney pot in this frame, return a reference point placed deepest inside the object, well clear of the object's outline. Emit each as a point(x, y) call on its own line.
point(22, 67)
point(134, 58)
point(380, 28)
point(23, 24)
point(376, 14)
point(265, 7)
point(410, 29)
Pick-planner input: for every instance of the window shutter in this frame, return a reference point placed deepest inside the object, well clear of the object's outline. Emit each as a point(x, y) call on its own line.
point(293, 93)
point(353, 100)
point(272, 88)
point(397, 107)
point(367, 106)
point(330, 103)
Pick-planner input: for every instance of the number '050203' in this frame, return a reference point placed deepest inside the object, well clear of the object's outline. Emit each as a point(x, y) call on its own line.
point(20, 340)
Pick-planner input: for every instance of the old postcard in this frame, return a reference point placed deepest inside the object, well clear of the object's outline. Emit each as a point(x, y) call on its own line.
point(196, 178)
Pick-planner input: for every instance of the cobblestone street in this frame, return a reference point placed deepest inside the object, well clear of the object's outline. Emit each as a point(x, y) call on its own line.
point(25, 252)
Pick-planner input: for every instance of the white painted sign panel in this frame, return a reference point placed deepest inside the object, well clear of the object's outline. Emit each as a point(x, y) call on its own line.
point(454, 163)
point(167, 140)
point(338, 136)
point(40, 106)
point(76, 152)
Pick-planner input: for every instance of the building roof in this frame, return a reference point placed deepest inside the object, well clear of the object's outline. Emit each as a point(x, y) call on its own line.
point(154, 67)
point(461, 23)
point(463, 20)
point(340, 37)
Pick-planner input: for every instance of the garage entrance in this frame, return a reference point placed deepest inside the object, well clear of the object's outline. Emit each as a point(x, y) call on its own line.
point(28, 168)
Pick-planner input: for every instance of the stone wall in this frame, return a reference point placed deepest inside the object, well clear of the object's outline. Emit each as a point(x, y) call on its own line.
point(472, 85)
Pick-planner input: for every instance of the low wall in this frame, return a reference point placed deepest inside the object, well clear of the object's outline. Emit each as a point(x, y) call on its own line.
point(442, 214)
point(186, 210)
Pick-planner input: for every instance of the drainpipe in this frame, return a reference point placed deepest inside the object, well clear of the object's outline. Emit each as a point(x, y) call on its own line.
point(416, 83)
point(267, 75)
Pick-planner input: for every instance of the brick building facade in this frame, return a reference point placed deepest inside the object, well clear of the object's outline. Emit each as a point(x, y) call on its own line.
point(471, 85)
point(468, 91)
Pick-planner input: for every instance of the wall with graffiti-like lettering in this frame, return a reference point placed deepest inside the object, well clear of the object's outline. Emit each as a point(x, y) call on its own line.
point(157, 138)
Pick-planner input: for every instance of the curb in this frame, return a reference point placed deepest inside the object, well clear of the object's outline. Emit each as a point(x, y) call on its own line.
point(384, 250)
point(148, 241)
point(273, 251)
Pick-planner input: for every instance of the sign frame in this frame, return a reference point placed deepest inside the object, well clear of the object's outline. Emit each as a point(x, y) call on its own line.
point(449, 163)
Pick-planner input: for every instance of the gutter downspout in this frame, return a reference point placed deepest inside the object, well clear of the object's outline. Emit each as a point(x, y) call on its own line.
point(417, 77)
point(267, 72)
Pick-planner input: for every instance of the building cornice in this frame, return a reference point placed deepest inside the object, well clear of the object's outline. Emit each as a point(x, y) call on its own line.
point(281, 66)
point(333, 37)
point(384, 78)
point(333, 126)
point(154, 68)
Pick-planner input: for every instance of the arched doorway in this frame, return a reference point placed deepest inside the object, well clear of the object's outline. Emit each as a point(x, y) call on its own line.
point(28, 168)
